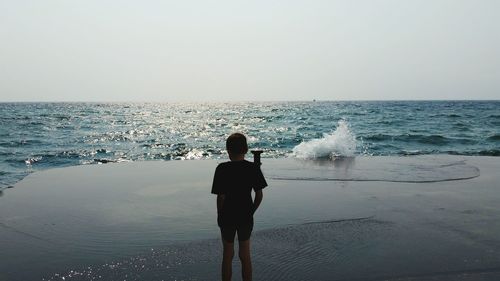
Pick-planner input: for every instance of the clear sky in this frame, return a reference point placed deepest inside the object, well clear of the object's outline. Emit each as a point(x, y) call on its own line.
point(59, 50)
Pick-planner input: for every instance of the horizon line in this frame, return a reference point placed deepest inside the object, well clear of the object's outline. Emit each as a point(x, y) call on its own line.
point(255, 101)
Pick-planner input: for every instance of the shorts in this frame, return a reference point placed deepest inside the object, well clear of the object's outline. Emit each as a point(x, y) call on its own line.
point(244, 231)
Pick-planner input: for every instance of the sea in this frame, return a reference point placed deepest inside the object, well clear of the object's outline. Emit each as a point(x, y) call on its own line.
point(39, 136)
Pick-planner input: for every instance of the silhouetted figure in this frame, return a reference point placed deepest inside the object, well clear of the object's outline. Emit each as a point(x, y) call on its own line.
point(233, 184)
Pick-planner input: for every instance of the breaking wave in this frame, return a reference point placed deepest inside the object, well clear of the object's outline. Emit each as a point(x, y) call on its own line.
point(340, 143)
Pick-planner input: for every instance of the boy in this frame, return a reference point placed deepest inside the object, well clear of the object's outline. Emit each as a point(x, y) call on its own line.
point(233, 184)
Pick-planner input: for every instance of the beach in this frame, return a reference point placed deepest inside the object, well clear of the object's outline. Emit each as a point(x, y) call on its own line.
point(378, 124)
point(432, 217)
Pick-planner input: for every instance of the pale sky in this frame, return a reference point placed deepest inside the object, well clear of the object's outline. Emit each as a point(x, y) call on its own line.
point(249, 50)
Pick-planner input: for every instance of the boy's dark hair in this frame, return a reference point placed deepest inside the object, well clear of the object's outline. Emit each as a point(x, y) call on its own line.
point(237, 144)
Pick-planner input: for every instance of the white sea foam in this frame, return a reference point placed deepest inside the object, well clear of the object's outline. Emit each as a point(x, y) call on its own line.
point(194, 154)
point(342, 142)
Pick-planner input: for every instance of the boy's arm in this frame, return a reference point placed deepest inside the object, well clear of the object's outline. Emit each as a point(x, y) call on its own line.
point(258, 199)
point(220, 202)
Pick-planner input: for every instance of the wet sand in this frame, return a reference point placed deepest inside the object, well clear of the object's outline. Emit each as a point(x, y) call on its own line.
point(156, 221)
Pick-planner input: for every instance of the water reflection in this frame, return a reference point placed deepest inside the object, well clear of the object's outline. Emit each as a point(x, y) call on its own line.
point(337, 162)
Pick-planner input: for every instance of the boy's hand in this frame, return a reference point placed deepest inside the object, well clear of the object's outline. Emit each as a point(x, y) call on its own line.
point(220, 203)
point(258, 199)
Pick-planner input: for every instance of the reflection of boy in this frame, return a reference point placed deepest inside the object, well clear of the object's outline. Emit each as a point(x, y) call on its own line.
point(233, 184)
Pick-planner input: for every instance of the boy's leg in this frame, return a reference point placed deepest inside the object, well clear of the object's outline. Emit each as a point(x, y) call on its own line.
point(227, 260)
point(227, 235)
point(246, 262)
point(244, 233)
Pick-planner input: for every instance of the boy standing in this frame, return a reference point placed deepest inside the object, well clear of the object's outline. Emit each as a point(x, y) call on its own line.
point(233, 184)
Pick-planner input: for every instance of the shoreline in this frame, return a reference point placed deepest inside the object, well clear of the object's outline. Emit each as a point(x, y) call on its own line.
point(4, 188)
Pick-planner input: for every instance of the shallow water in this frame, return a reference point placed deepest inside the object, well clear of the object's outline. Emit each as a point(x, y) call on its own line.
point(111, 220)
point(297, 252)
point(362, 249)
point(419, 169)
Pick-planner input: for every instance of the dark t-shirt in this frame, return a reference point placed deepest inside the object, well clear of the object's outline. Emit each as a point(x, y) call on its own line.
point(235, 180)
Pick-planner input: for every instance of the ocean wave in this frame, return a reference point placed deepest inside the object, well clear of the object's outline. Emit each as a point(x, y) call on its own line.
point(446, 115)
point(342, 142)
point(378, 137)
point(418, 138)
point(494, 138)
point(488, 152)
point(484, 152)
point(424, 139)
point(20, 143)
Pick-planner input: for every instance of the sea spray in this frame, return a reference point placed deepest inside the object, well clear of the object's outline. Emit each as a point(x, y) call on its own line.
point(342, 142)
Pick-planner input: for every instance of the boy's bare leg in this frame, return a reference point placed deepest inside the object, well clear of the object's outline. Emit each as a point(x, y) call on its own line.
point(227, 260)
point(246, 262)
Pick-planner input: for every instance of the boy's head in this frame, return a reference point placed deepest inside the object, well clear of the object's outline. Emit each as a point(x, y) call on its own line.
point(236, 144)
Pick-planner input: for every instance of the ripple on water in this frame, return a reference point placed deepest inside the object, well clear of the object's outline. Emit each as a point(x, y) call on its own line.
point(296, 252)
